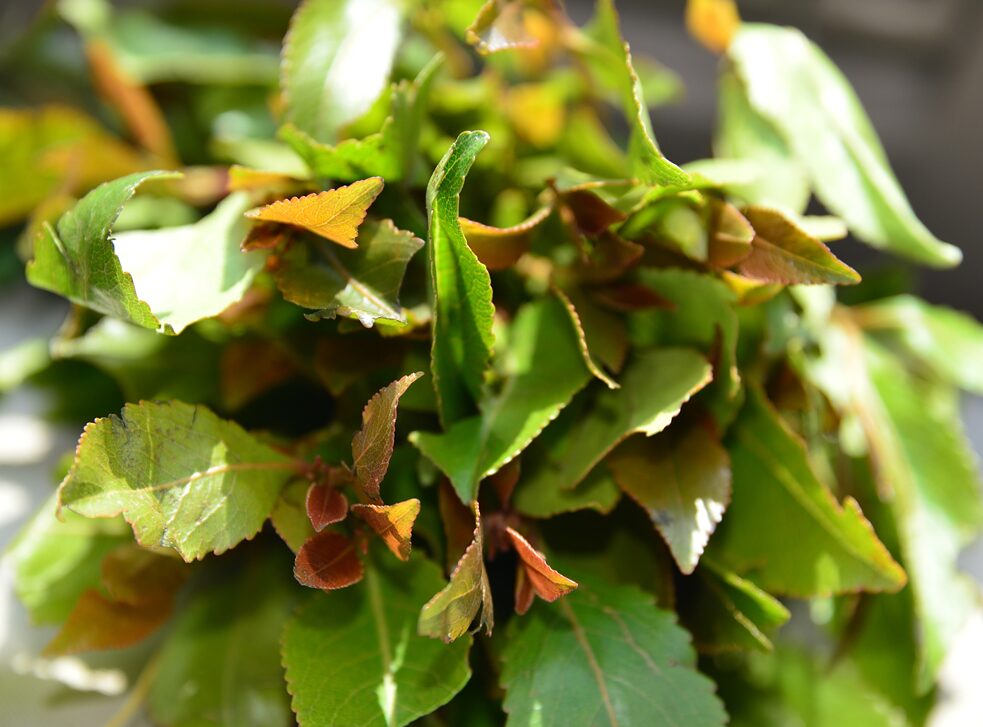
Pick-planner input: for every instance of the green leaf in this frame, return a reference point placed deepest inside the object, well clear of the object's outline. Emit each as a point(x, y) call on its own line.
point(778, 501)
point(54, 561)
point(682, 479)
point(625, 662)
point(353, 657)
point(784, 74)
point(336, 60)
point(544, 370)
point(783, 252)
point(450, 613)
point(460, 288)
point(219, 664)
point(289, 516)
point(597, 492)
point(182, 477)
point(362, 284)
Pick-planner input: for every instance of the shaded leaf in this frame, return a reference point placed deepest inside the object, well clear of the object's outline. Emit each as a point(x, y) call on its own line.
point(372, 445)
point(460, 288)
point(335, 214)
point(182, 477)
point(597, 492)
point(289, 516)
point(328, 561)
point(782, 252)
point(137, 576)
point(498, 248)
point(392, 523)
point(731, 235)
point(582, 342)
point(682, 479)
point(97, 623)
point(329, 44)
point(535, 576)
point(325, 506)
point(625, 662)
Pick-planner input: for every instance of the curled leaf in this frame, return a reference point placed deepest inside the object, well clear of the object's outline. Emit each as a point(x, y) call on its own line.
point(325, 506)
point(499, 247)
point(535, 576)
point(328, 561)
point(392, 523)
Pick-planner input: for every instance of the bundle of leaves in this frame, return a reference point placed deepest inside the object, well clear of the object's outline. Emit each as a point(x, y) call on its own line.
point(448, 397)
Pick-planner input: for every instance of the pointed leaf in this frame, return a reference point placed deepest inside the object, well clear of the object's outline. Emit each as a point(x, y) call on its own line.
point(182, 477)
point(625, 662)
point(460, 288)
point(328, 561)
point(334, 215)
point(782, 252)
point(836, 549)
point(363, 284)
point(535, 575)
point(783, 75)
point(353, 657)
point(331, 42)
point(582, 342)
point(372, 445)
point(392, 523)
point(497, 248)
point(325, 506)
point(450, 613)
point(682, 480)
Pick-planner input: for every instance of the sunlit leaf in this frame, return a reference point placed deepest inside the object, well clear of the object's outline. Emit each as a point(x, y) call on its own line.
point(535, 576)
point(328, 561)
point(392, 523)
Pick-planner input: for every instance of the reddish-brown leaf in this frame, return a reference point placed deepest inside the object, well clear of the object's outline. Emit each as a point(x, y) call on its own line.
point(499, 247)
point(505, 480)
point(98, 623)
point(630, 297)
point(730, 235)
point(592, 214)
point(458, 523)
point(250, 368)
point(392, 523)
point(325, 506)
point(137, 576)
point(265, 236)
point(328, 561)
point(535, 575)
point(610, 257)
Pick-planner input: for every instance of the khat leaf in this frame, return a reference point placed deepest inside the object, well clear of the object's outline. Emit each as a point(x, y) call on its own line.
point(625, 662)
point(498, 248)
point(325, 506)
point(135, 575)
point(836, 550)
point(363, 284)
point(353, 657)
point(582, 341)
point(682, 479)
point(372, 445)
point(330, 43)
point(731, 235)
point(97, 623)
point(182, 477)
point(535, 577)
point(461, 294)
point(392, 523)
point(544, 370)
point(289, 517)
point(597, 492)
point(782, 252)
point(328, 561)
point(783, 74)
point(334, 214)
point(219, 664)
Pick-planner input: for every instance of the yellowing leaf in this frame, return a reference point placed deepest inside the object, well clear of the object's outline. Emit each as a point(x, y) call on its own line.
point(328, 561)
point(392, 523)
point(535, 576)
point(335, 214)
point(713, 22)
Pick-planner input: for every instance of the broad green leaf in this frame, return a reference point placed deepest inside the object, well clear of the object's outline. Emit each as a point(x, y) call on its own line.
point(947, 342)
point(778, 500)
point(597, 492)
point(19, 363)
point(461, 294)
point(362, 284)
point(353, 657)
point(743, 134)
point(219, 664)
point(605, 340)
point(544, 370)
point(783, 252)
point(783, 75)
point(372, 445)
point(289, 516)
point(334, 214)
point(220, 276)
point(336, 60)
point(625, 662)
point(182, 477)
point(654, 387)
point(54, 560)
point(682, 479)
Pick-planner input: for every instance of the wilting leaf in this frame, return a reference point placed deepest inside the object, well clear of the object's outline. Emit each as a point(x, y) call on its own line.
point(219, 663)
point(353, 657)
point(544, 370)
point(325, 506)
point(182, 477)
point(330, 43)
point(682, 479)
point(461, 288)
point(535, 576)
point(328, 561)
point(783, 75)
point(498, 248)
point(712, 22)
point(334, 215)
point(362, 284)
point(98, 623)
point(782, 252)
point(625, 662)
point(836, 550)
point(372, 445)
point(392, 523)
